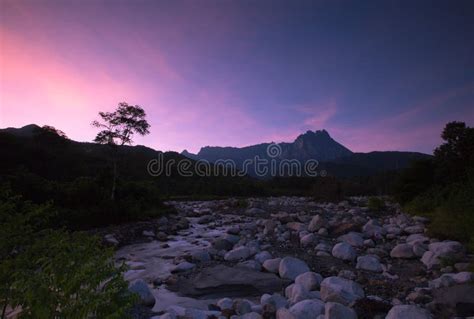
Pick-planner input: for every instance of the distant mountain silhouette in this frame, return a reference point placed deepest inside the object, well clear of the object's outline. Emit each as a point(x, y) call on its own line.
point(317, 145)
point(34, 147)
point(311, 145)
point(25, 131)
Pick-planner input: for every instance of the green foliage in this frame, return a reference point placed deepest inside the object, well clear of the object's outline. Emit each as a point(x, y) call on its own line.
point(52, 273)
point(454, 217)
point(376, 204)
point(443, 189)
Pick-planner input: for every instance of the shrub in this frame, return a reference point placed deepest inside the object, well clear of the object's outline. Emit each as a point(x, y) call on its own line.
point(52, 273)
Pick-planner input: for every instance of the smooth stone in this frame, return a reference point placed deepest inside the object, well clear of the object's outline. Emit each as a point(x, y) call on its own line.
point(334, 310)
point(291, 267)
point(344, 251)
point(354, 239)
point(239, 253)
point(272, 265)
point(143, 291)
point(341, 290)
point(309, 280)
point(408, 312)
point(307, 309)
point(403, 251)
point(370, 263)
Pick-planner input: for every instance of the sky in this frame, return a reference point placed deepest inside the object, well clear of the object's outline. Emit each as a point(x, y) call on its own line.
point(377, 75)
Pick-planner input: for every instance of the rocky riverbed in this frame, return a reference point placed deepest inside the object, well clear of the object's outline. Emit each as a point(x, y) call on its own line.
point(293, 258)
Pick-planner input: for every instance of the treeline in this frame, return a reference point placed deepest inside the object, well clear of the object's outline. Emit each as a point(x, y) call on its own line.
point(46, 167)
point(443, 188)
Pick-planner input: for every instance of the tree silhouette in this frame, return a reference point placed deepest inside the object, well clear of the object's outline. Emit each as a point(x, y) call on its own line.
point(118, 128)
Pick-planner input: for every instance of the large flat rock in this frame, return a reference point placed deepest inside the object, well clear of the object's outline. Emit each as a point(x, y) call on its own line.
point(229, 281)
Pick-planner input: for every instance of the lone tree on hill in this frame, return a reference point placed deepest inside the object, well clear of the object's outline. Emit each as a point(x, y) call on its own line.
point(118, 128)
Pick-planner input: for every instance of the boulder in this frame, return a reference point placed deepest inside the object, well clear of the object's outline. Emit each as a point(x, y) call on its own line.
point(242, 306)
point(296, 293)
point(272, 265)
point(336, 310)
point(373, 229)
point(225, 303)
point(316, 223)
point(252, 264)
point(143, 291)
point(307, 240)
point(251, 315)
point(277, 300)
point(370, 263)
point(354, 239)
point(437, 251)
point(236, 281)
point(408, 312)
point(309, 280)
point(403, 251)
point(341, 290)
point(206, 219)
point(182, 267)
point(344, 251)
point(239, 253)
point(291, 267)
point(415, 229)
point(307, 309)
point(263, 256)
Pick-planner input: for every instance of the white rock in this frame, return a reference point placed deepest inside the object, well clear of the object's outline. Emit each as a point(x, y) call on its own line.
point(336, 310)
point(251, 315)
point(143, 291)
point(370, 263)
point(225, 303)
point(341, 290)
point(416, 229)
point(408, 312)
point(296, 293)
point(242, 306)
point(109, 238)
point(307, 309)
point(183, 266)
point(373, 229)
point(291, 267)
point(272, 265)
point(316, 223)
point(307, 240)
point(354, 239)
point(403, 251)
point(277, 300)
point(437, 251)
point(251, 264)
point(261, 257)
point(344, 251)
point(417, 238)
point(238, 253)
point(310, 280)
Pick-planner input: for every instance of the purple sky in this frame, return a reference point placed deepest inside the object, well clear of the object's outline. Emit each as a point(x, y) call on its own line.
point(378, 75)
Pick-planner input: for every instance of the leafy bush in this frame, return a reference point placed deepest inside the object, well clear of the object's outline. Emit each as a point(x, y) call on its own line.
point(443, 188)
point(454, 218)
point(52, 273)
